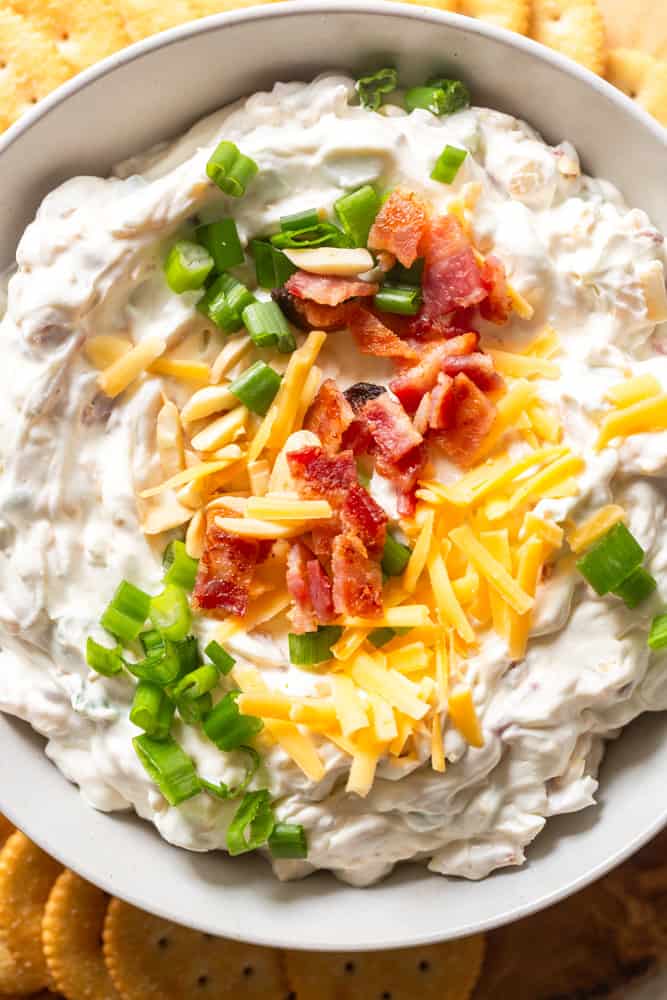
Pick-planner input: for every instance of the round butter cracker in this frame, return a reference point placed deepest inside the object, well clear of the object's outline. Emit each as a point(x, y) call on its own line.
point(447, 971)
point(146, 17)
point(30, 66)
point(152, 959)
point(72, 939)
point(641, 24)
point(641, 77)
point(511, 14)
point(27, 875)
point(83, 33)
point(574, 28)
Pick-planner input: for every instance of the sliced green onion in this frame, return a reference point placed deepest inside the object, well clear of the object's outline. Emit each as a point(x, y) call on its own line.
point(267, 326)
point(127, 612)
point(457, 93)
point(300, 220)
point(227, 727)
point(371, 88)
point(194, 710)
point(252, 824)
point(198, 682)
point(363, 475)
point(102, 659)
point(151, 710)
point(611, 559)
point(256, 387)
point(187, 266)
point(395, 556)
point(288, 840)
point(447, 165)
point(272, 267)
point(161, 668)
point(636, 588)
point(381, 636)
point(223, 661)
point(187, 653)
point(224, 302)
point(152, 643)
point(223, 791)
point(403, 299)
point(169, 767)
point(179, 566)
point(413, 275)
point(170, 612)
point(230, 169)
point(441, 97)
point(313, 647)
point(357, 212)
point(322, 234)
point(221, 239)
point(657, 637)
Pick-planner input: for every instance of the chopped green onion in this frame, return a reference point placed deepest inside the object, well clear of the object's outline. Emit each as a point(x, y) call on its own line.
point(221, 239)
point(179, 566)
point(252, 823)
point(272, 267)
point(187, 266)
point(161, 668)
point(230, 169)
point(657, 637)
point(127, 612)
point(194, 710)
point(267, 326)
point(151, 710)
point(300, 220)
point(322, 234)
point(372, 87)
point(313, 647)
point(198, 682)
point(395, 556)
point(169, 767)
point(403, 299)
point(611, 559)
point(457, 93)
point(224, 302)
point(256, 387)
point(102, 659)
point(636, 588)
point(381, 636)
point(187, 653)
point(357, 212)
point(227, 727)
point(400, 275)
point(152, 643)
point(441, 97)
point(170, 612)
point(223, 791)
point(288, 840)
point(447, 165)
point(363, 475)
point(223, 661)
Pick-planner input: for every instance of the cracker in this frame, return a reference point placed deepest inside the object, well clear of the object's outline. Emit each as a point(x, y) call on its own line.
point(146, 17)
point(30, 66)
point(450, 5)
point(152, 959)
point(447, 971)
point(27, 875)
point(83, 33)
point(574, 28)
point(640, 24)
point(6, 828)
point(205, 7)
point(641, 77)
point(511, 14)
point(72, 939)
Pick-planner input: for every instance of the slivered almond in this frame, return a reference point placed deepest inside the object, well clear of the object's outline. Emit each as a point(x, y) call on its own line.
point(337, 261)
point(205, 402)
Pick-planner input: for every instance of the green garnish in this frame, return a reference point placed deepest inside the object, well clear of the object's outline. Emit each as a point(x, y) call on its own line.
point(313, 647)
point(636, 588)
point(102, 659)
point(357, 212)
point(180, 568)
point(611, 560)
point(288, 840)
point(127, 612)
point(440, 97)
point(448, 163)
point(372, 88)
point(169, 767)
point(267, 327)
point(152, 710)
point(657, 637)
point(395, 556)
point(221, 239)
point(187, 266)
point(227, 727)
point(223, 661)
point(256, 387)
point(170, 612)
point(405, 300)
point(230, 169)
point(272, 267)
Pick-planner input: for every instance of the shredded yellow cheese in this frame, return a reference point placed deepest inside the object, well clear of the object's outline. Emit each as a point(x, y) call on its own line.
point(545, 344)
point(463, 715)
point(407, 616)
point(259, 473)
point(118, 376)
point(508, 410)
point(252, 527)
point(349, 707)
point(488, 567)
point(191, 474)
point(297, 745)
point(450, 611)
point(188, 371)
point(540, 484)
point(262, 610)
point(497, 542)
point(529, 569)
point(382, 718)
point(232, 353)
point(595, 526)
point(437, 746)
point(639, 418)
point(633, 390)
point(273, 508)
point(396, 689)
point(547, 530)
point(523, 365)
point(205, 402)
point(419, 554)
point(221, 431)
point(103, 350)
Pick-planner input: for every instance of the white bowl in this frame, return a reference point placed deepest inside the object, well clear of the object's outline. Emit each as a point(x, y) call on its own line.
point(154, 90)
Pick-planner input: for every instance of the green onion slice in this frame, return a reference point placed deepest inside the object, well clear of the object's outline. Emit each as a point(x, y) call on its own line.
point(224, 791)
point(313, 647)
point(256, 387)
point(448, 163)
point(223, 661)
point(102, 659)
point(161, 668)
point(180, 568)
point(221, 239)
point(187, 266)
point(395, 556)
point(413, 275)
point(440, 97)
point(198, 682)
point(611, 559)
point(151, 710)
point(373, 87)
point(357, 212)
point(170, 612)
point(227, 727)
point(300, 220)
point(224, 301)
point(636, 588)
point(194, 710)
point(657, 637)
point(288, 840)
point(230, 169)
point(267, 326)
point(272, 267)
point(169, 767)
point(187, 653)
point(457, 93)
point(381, 636)
point(320, 235)
point(403, 299)
point(252, 824)
point(127, 612)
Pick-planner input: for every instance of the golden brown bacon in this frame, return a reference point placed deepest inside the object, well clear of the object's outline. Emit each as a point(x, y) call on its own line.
point(329, 416)
point(320, 476)
point(412, 383)
point(327, 290)
point(362, 516)
point(399, 227)
point(452, 278)
point(479, 369)
point(497, 307)
point(390, 427)
point(357, 580)
point(471, 417)
point(225, 571)
point(307, 315)
point(310, 590)
point(373, 337)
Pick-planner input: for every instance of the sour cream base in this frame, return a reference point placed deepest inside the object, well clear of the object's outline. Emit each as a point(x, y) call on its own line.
point(90, 263)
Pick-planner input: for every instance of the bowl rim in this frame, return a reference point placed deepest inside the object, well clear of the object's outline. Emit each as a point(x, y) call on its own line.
point(515, 909)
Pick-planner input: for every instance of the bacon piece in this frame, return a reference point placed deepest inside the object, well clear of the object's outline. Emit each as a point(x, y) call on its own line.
point(373, 337)
point(424, 326)
point(225, 572)
point(322, 476)
point(497, 307)
point(302, 615)
point(390, 427)
point(441, 404)
point(473, 414)
point(321, 542)
point(399, 227)
point(357, 581)
point(362, 516)
point(415, 382)
point(320, 592)
point(452, 278)
point(329, 416)
point(326, 290)
point(405, 474)
point(479, 369)
point(307, 315)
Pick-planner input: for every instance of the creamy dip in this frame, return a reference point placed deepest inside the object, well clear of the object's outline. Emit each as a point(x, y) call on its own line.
point(91, 263)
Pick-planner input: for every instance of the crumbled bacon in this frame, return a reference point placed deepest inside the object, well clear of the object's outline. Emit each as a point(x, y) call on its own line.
point(390, 427)
point(320, 592)
point(497, 307)
point(321, 476)
point(452, 278)
point(362, 516)
point(478, 367)
point(357, 581)
point(327, 290)
point(405, 474)
point(373, 337)
point(329, 416)
point(399, 227)
point(472, 416)
point(302, 615)
point(441, 403)
point(321, 542)
point(225, 571)
point(414, 382)
point(307, 315)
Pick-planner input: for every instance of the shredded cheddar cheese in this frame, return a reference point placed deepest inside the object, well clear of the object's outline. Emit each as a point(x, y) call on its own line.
point(595, 526)
point(119, 375)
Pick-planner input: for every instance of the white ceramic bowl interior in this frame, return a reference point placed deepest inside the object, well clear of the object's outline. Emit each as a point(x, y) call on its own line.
point(153, 91)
